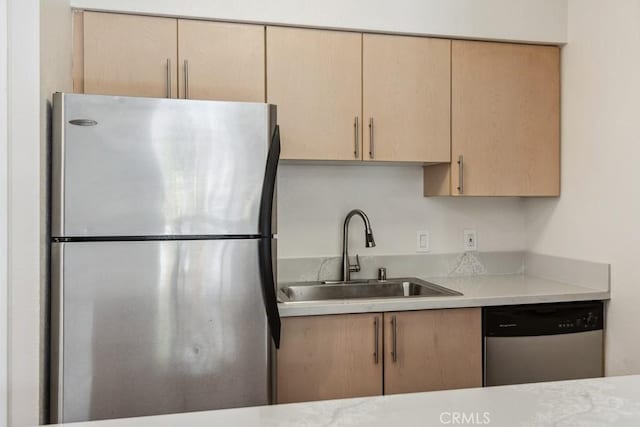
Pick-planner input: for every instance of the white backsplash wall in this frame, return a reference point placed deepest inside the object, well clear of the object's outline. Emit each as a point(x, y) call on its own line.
point(313, 201)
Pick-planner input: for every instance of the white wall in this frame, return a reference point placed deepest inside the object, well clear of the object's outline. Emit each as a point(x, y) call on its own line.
point(597, 216)
point(24, 210)
point(520, 20)
point(26, 191)
point(313, 201)
point(3, 213)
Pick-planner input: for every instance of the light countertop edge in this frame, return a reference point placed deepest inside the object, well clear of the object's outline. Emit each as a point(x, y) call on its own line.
point(610, 401)
point(478, 291)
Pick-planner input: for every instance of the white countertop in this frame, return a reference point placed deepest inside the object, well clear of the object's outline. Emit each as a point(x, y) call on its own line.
point(613, 401)
point(478, 291)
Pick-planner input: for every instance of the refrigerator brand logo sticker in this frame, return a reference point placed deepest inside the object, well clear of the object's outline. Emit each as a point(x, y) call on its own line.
point(83, 122)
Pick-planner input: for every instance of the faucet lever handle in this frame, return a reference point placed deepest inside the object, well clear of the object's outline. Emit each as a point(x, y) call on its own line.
point(355, 267)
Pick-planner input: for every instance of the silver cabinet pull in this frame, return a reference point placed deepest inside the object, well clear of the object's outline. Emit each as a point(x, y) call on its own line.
point(371, 152)
point(355, 139)
point(168, 78)
point(460, 174)
point(376, 331)
point(186, 79)
point(394, 343)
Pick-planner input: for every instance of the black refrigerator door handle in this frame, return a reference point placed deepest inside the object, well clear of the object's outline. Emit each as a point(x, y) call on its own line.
point(265, 252)
point(269, 290)
point(268, 185)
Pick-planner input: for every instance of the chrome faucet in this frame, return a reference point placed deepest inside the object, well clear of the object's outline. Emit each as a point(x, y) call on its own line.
point(347, 267)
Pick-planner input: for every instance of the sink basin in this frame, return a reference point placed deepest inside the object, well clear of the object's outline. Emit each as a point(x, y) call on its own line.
point(362, 289)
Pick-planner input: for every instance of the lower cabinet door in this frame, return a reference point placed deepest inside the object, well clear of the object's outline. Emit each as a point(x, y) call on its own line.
point(432, 350)
point(329, 357)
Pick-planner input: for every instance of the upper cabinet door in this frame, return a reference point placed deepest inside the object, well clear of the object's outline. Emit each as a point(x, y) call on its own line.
point(505, 119)
point(130, 55)
point(314, 77)
point(406, 98)
point(221, 61)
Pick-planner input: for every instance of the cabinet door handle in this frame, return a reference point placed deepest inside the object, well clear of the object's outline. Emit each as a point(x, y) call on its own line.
point(394, 340)
point(460, 174)
point(376, 331)
point(355, 139)
point(168, 78)
point(371, 152)
point(186, 79)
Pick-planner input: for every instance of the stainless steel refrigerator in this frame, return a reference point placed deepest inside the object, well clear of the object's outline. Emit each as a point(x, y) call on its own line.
point(162, 256)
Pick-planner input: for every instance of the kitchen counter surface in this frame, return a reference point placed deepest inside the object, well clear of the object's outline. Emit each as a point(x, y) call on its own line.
point(478, 291)
point(613, 401)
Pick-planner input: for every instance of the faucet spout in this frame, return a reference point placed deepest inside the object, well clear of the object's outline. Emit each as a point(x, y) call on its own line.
point(369, 242)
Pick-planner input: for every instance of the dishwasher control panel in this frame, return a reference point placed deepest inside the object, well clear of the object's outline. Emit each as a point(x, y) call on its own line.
point(543, 319)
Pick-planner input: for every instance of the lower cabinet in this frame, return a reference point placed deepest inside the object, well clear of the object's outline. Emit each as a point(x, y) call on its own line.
point(432, 350)
point(339, 356)
point(330, 357)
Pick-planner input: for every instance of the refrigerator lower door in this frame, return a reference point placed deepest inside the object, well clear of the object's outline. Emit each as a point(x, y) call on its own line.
point(153, 327)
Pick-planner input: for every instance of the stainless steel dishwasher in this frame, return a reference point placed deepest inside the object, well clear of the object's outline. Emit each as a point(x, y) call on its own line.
point(543, 342)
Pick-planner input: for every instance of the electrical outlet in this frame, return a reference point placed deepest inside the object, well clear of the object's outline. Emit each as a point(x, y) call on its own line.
point(470, 240)
point(423, 241)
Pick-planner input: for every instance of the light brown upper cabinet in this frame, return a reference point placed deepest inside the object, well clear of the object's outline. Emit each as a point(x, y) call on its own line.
point(406, 98)
point(314, 77)
point(128, 55)
point(132, 55)
point(505, 122)
point(432, 350)
point(483, 117)
point(329, 357)
point(221, 61)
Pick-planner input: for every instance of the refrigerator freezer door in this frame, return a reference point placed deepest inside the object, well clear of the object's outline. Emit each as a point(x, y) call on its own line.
point(156, 327)
point(126, 166)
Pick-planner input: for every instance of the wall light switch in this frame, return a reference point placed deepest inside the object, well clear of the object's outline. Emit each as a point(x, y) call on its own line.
point(470, 240)
point(423, 242)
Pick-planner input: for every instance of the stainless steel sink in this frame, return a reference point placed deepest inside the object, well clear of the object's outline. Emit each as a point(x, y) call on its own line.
point(361, 289)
